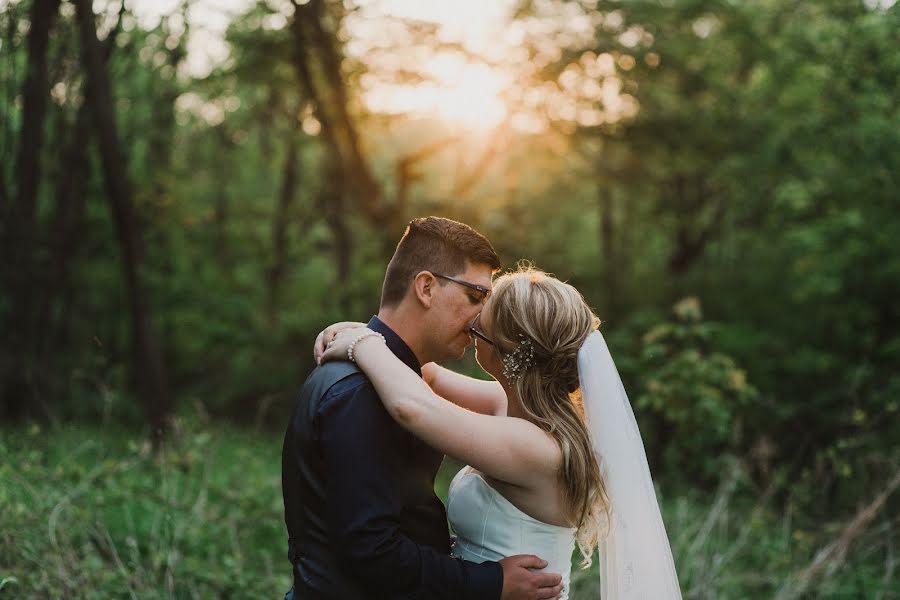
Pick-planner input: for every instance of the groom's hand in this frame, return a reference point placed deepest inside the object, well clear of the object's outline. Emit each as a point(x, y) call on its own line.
point(520, 583)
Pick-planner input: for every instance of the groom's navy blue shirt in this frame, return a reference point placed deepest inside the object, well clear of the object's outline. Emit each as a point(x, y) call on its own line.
point(383, 522)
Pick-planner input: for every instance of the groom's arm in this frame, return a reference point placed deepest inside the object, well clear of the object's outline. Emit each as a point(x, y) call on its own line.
point(366, 457)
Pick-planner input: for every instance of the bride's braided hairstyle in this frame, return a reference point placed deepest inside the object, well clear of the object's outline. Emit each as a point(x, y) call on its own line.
point(553, 316)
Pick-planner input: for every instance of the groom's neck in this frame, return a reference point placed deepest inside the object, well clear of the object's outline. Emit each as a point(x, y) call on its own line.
point(408, 327)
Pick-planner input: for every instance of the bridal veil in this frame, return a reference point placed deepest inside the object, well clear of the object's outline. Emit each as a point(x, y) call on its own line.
point(635, 557)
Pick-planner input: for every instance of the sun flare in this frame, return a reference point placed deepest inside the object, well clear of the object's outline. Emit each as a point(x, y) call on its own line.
point(456, 91)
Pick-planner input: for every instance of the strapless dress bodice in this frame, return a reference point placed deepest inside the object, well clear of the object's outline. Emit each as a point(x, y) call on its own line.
point(490, 527)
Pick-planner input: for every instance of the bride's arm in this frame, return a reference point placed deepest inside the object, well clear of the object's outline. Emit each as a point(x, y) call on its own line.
point(505, 448)
point(485, 397)
point(327, 334)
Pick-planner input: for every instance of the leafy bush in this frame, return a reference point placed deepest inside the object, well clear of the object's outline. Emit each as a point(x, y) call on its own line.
point(695, 393)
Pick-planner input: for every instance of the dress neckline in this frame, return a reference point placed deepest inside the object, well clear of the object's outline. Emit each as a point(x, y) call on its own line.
point(473, 471)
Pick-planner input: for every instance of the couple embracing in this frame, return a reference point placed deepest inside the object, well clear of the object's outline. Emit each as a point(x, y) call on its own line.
point(555, 457)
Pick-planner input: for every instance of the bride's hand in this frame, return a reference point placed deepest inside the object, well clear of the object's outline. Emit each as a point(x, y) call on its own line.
point(337, 348)
point(327, 334)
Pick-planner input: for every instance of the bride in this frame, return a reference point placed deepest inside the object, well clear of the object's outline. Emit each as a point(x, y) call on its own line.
point(554, 453)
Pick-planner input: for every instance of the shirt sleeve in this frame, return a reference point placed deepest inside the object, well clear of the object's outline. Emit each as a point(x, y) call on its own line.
point(365, 457)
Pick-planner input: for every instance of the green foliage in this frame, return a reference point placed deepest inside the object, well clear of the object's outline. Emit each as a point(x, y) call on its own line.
point(697, 393)
point(754, 175)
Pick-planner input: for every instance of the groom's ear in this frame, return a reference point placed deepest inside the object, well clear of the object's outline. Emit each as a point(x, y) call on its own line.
point(423, 288)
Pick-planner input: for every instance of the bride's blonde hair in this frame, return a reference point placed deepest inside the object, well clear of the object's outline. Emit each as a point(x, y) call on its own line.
point(556, 319)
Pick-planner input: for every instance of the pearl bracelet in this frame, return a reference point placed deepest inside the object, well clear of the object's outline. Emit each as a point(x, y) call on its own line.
point(359, 338)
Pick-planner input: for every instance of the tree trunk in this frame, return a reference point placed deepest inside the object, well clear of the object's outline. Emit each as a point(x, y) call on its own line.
point(315, 45)
point(66, 234)
point(7, 110)
point(280, 223)
point(34, 99)
point(148, 364)
point(221, 209)
point(330, 203)
point(608, 245)
point(341, 172)
point(160, 143)
point(705, 210)
point(18, 236)
point(343, 245)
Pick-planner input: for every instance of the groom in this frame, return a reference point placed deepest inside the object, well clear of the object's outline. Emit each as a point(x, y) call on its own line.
point(362, 517)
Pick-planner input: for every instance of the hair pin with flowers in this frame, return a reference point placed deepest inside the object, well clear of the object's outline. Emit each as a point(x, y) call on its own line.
point(517, 362)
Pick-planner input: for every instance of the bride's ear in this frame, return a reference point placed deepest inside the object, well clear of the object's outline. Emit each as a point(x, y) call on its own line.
point(423, 287)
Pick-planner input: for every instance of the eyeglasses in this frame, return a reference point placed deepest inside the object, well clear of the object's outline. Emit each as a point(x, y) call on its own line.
point(473, 328)
point(485, 292)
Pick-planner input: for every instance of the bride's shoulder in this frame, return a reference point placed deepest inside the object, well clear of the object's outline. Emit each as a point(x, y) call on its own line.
point(543, 450)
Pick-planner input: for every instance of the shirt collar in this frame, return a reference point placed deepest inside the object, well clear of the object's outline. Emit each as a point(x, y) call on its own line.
point(396, 344)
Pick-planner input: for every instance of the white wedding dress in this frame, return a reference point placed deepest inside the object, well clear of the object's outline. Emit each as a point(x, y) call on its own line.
point(490, 527)
point(635, 559)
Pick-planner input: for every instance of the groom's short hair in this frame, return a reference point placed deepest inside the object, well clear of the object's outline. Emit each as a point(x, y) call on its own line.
point(438, 245)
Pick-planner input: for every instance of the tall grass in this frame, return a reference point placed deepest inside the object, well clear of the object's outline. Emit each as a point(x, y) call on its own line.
point(89, 513)
point(735, 545)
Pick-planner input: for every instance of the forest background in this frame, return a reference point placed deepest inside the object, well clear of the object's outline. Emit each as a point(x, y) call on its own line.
point(190, 191)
